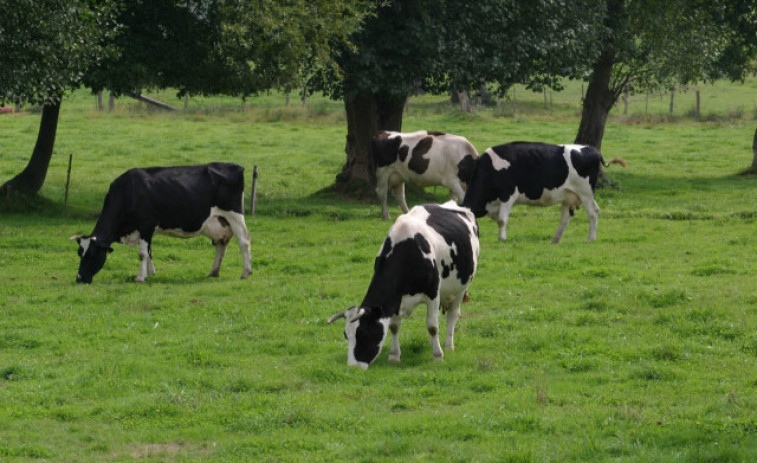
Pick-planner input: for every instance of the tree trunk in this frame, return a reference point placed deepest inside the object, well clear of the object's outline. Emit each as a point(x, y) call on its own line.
point(366, 115)
point(597, 104)
point(31, 179)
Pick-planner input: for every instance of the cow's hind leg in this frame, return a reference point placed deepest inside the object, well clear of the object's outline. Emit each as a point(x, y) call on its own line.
point(394, 328)
point(220, 251)
point(432, 324)
point(453, 314)
point(592, 210)
point(456, 191)
point(564, 221)
point(239, 229)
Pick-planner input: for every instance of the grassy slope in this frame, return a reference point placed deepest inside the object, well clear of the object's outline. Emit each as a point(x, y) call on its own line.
point(639, 347)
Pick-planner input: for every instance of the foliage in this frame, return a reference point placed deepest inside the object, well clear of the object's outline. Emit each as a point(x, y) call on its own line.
point(570, 353)
point(47, 47)
point(220, 46)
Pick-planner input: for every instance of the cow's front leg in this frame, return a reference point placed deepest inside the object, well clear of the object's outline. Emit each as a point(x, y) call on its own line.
point(220, 251)
point(503, 216)
point(564, 220)
point(432, 324)
point(394, 328)
point(382, 188)
point(399, 194)
point(146, 264)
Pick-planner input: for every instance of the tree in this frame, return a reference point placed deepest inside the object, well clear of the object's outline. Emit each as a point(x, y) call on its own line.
point(197, 46)
point(45, 49)
point(446, 45)
point(654, 44)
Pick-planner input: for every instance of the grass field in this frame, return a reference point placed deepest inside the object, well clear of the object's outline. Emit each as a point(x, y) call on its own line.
point(640, 347)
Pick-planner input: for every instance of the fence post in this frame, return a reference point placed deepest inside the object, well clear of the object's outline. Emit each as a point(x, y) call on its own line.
point(254, 192)
point(68, 179)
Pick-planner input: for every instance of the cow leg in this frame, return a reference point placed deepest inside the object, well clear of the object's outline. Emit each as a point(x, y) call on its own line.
point(564, 220)
point(382, 188)
point(394, 328)
point(239, 229)
point(592, 210)
point(456, 192)
point(504, 216)
point(453, 314)
point(220, 251)
point(399, 194)
point(432, 324)
point(146, 264)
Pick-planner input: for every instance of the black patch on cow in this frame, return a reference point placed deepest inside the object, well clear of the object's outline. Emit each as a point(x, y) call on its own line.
point(587, 163)
point(534, 167)
point(166, 197)
point(453, 227)
point(434, 133)
point(368, 336)
point(384, 149)
point(466, 168)
point(418, 163)
point(402, 153)
point(401, 268)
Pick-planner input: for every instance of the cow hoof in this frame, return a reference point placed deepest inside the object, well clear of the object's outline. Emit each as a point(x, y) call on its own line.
point(139, 280)
point(246, 274)
point(394, 358)
point(438, 358)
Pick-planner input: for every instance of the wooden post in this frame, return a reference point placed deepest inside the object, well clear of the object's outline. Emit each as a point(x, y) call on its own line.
point(672, 98)
point(100, 100)
point(754, 150)
point(625, 100)
point(186, 101)
point(111, 101)
point(254, 192)
point(68, 178)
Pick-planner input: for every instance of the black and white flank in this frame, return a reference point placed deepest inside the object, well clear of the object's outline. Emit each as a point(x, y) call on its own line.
point(430, 256)
point(537, 174)
point(184, 202)
point(421, 158)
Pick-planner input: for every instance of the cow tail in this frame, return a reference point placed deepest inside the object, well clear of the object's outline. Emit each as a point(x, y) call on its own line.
point(620, 161)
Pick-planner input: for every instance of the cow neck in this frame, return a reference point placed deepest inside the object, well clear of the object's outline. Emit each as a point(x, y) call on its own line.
point(383, 295)
point(108, 224)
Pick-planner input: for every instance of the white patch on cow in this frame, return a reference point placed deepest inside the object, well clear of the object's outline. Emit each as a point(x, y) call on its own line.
point(84, 243)
point(132, 239)
point(497, 162)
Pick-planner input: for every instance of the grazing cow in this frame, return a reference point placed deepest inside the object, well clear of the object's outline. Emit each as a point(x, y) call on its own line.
point(421, 158)
point(429, 256)
point(537, 174)
point(182, 201)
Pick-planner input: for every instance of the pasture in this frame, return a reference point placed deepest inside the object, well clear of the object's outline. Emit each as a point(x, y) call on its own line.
point(640, 347)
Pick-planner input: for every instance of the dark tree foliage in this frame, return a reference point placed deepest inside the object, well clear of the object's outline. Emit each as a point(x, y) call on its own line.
point(45, 49)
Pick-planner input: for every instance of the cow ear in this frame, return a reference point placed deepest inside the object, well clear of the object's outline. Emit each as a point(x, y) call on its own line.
point(76, 238)
point(109, 250)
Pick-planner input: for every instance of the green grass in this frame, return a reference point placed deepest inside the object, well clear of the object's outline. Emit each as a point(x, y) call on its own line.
point(639, 347)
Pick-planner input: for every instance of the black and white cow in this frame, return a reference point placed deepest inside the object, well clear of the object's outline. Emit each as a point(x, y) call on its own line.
point(429, 256)
point(421, 158)
point(537, 174)
point(184, 202)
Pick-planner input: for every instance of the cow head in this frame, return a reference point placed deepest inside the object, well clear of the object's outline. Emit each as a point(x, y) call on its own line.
point(365, 331)
point(92, 253)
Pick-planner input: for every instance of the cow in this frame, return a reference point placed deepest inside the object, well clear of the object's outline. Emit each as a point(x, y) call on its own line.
point(183, 202)
point(429, 256)
point(421, 158)
point(536, 174)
